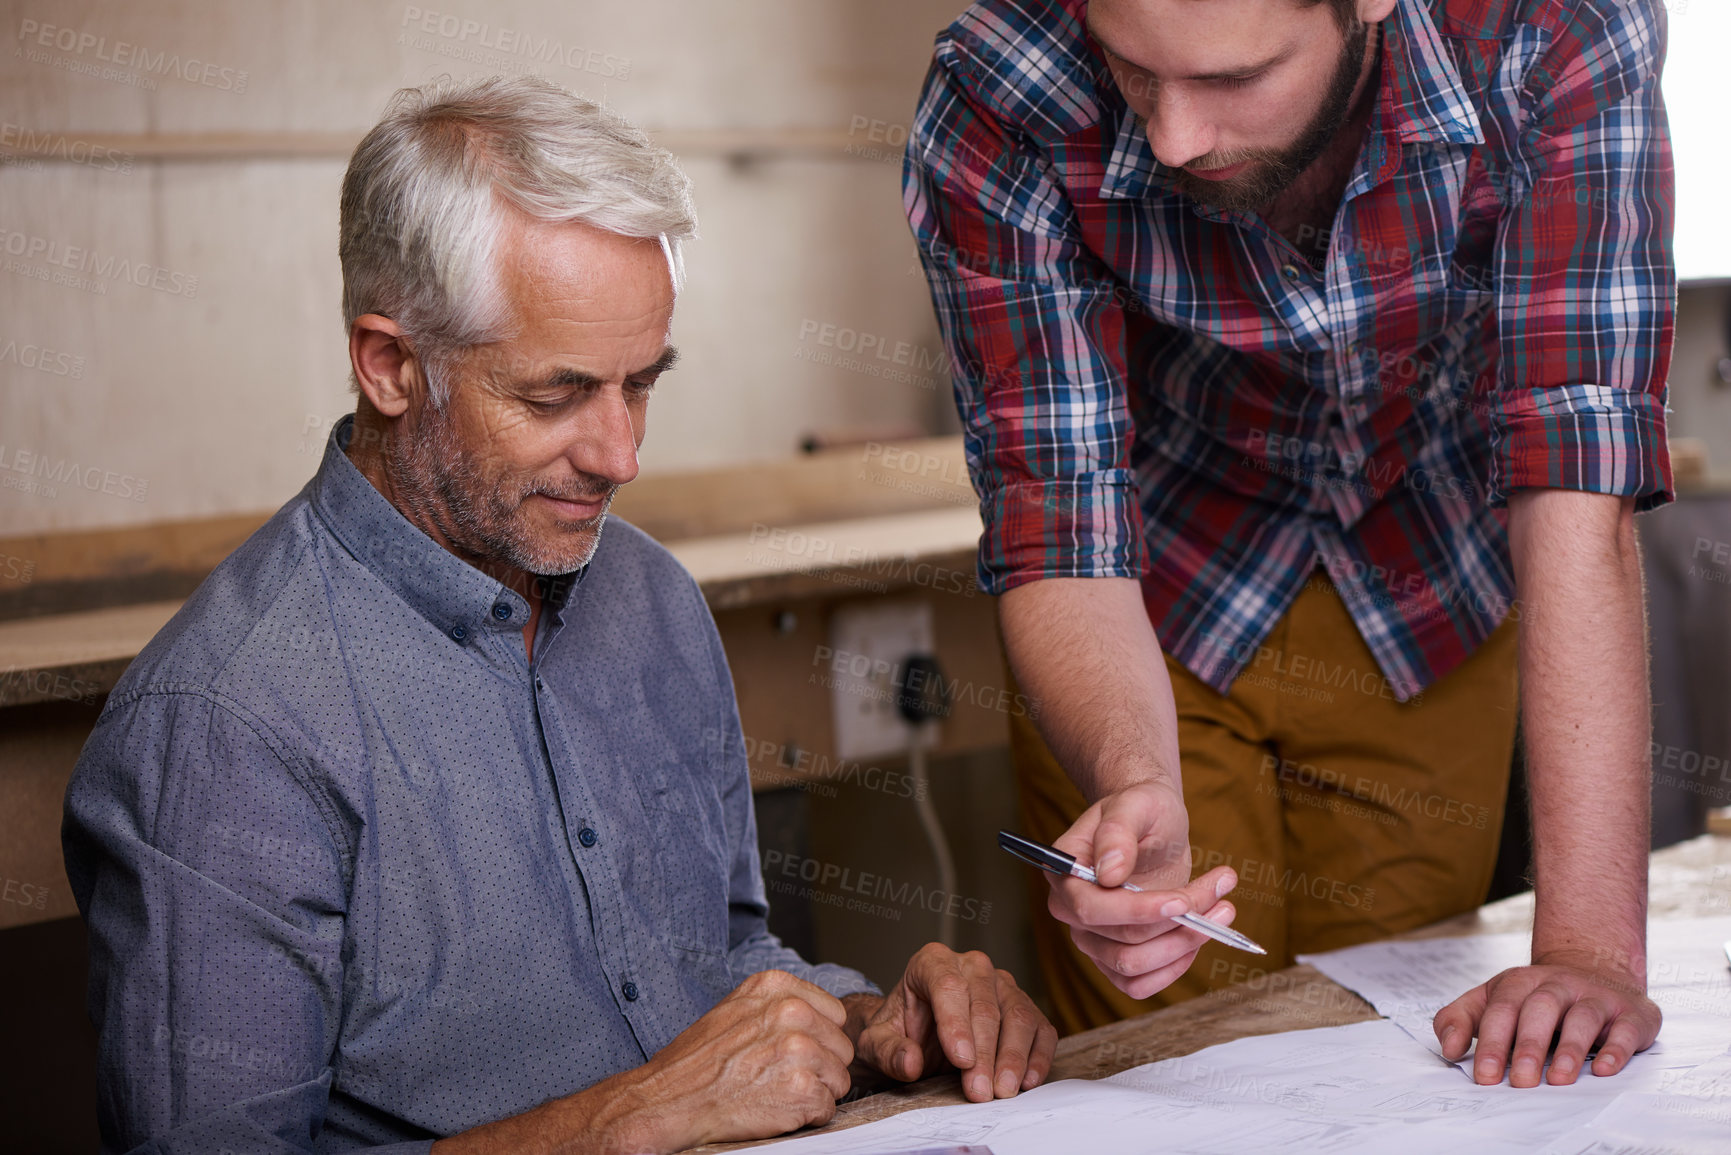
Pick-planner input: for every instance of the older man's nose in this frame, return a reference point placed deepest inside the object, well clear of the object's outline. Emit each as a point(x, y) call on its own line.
point(609, 447)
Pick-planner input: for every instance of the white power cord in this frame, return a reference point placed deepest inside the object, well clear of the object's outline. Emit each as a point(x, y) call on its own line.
point(928, 812)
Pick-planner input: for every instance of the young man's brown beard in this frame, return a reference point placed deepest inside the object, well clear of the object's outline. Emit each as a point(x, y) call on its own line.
point(1272, 172)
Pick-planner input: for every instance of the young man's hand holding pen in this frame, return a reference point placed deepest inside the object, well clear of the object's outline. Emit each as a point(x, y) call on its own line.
point(1139, 835)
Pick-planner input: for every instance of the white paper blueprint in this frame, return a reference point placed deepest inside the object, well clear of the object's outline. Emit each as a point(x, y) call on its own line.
point(1410, 981)
point(1370, 1087)
point(1353, 1090)
point(1689, 1115)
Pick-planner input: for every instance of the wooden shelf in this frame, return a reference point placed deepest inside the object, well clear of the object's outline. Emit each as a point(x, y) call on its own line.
point(79, 656)
point(821, 143)
point(74, 657)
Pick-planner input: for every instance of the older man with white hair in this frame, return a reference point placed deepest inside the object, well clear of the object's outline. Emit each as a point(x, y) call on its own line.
point(427, 818)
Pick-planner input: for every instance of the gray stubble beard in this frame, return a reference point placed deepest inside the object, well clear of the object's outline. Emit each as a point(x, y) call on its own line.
point(442, 486)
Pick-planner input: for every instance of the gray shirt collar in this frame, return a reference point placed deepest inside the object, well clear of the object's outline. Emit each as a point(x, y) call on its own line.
point(449, 592)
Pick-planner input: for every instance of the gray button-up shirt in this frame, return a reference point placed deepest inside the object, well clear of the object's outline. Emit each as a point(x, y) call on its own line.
point(357, 872)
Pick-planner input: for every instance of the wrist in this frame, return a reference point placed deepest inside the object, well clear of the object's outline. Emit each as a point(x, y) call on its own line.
point(860, 1008)
point(864, 1075)
point(626, 1113)
point(1623, 970)
point(1604, 934)
point(1108, 781)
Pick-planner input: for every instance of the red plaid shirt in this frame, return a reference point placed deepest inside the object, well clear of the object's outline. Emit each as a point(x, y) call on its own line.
point(1153, 388)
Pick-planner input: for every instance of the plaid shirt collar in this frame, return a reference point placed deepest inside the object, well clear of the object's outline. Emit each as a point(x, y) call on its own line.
point(1422, 100)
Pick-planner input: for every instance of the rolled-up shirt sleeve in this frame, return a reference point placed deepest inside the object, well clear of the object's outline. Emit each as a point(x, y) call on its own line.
point(1586, 285)
point(1034, 326)
point(212, 878)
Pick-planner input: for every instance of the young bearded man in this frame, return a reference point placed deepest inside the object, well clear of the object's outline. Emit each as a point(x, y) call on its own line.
point(427, 816)
point(1312, 358)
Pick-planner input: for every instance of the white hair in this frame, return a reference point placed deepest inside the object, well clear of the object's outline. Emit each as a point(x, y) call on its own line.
point(426, 193)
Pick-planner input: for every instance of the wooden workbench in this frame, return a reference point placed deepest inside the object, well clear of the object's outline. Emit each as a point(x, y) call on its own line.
point(1689, 880)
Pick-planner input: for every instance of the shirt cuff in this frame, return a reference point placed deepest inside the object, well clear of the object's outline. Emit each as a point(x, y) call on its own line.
point(1079, 527)
point(1593, 438)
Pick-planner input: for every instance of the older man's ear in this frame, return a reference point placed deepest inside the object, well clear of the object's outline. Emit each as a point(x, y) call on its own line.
point(385, 367)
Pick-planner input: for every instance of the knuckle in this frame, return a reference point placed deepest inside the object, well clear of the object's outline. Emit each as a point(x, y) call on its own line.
point(950, 984)
point(1547, 999)
point(769, 982)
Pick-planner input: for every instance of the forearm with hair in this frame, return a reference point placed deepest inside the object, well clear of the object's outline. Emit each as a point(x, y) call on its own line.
point(1086, 657)
point(1586, 716)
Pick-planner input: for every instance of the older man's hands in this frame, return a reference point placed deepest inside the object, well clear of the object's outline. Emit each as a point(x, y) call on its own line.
point(774, 1055)
point(771, 1057)
point(957, 1010)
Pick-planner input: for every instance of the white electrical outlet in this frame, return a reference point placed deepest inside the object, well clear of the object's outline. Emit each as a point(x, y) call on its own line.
point(866, 669)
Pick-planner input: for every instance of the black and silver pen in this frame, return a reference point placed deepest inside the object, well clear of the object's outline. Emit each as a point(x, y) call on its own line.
point(1055, 860)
